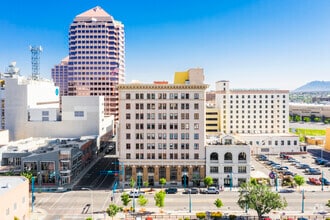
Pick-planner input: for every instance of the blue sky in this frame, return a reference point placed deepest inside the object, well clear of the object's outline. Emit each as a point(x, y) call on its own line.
point(254, 44)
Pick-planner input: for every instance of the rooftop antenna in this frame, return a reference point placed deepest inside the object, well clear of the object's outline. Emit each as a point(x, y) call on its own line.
point(35, 61)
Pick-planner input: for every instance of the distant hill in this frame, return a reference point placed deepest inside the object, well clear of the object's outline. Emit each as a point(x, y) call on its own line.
point(314, 86)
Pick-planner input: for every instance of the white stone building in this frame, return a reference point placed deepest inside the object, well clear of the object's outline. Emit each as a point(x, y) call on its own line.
point(31, 109)
point(227, 161)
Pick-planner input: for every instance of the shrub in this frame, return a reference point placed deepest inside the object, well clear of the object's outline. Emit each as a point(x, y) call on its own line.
point(232, 217)
point(216, 214)
point(201, 215)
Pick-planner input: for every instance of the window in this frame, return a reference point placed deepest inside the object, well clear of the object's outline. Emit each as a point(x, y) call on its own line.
point(242, 169)
point(196, 136)
point(45, 113)
point(214, 156)
point(128, 96)
point(227, 169)
point(78, 114)
point(128, 156)
point(128, 105)
point(214, 169)
point(128, 116)
point(196, 106)
point(242, 156)
point(228, 156)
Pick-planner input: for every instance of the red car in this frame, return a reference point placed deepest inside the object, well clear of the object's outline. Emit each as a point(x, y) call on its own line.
point(314, 181)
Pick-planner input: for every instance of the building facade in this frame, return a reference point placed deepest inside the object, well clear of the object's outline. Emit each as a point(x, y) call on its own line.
point(212, 120)
point(54, 162)
point(60, 76)
point(162, 130)
point(227, 161)
point(252, 111)
point(32, 109)
point(96, 57)
point(14, 198)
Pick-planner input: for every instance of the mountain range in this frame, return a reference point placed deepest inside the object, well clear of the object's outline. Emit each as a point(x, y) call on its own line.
point(314, 86)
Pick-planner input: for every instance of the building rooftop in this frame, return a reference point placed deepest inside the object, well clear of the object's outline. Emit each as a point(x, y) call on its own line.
point(10, 182)
point(94, 14)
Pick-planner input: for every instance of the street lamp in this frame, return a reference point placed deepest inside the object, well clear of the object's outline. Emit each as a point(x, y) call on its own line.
point(85, 188)
point(189, 191)
point(231, 180)
point(121, 173)
point(322, 181)
point(139, 175)
point(302, 201)
point(276, 181)
point(32, 190)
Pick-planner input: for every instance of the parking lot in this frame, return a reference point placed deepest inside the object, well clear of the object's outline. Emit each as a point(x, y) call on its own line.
point(290, 165)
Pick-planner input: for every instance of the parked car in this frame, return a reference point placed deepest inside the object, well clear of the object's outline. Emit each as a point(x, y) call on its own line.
point(191, 191)
point(327, 164)
point(314, 181)
point(171, 190)
point(288, 173)
point(313, 171)
point(212, 190)
point(286, 191)
point(303, 166)
point(325, 181)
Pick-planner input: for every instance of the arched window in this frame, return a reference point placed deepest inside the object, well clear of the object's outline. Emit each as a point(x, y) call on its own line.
point(214, 156)
point(228, 156)
point(242, 156)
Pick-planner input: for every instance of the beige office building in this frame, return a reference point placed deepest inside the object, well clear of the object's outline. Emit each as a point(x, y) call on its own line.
point(162, 130)
point(14, 198)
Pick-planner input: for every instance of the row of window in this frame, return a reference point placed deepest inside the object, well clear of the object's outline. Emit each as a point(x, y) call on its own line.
point(162, 96)
point(241, 169)
point(162, 156)
point(161, 136)
point(255, 106)
point(254, 116)
point(256, 96)
point(162, 146)
point(162, 126)
point(163, 106)
point(162, 116)
point(227, 156)
point(254, 101)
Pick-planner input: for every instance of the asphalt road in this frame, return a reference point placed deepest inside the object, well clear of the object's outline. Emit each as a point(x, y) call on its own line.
point(81, 204)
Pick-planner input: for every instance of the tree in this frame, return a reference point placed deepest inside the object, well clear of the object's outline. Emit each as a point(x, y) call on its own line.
point(160, 199)
point(162, 182)
point(132, 182)
point(307, 119)
point(328, 204)
point(112, 210)
point(218, 203)
point(208, 181)
point(142, 200)
point(89, 218)
point(125, 199)
point(297, 118)
point(146, 184)
point(299, 180)
point(28, 175)
point(260, 198)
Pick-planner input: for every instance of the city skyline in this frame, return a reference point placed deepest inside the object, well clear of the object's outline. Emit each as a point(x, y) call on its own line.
point(253, 44)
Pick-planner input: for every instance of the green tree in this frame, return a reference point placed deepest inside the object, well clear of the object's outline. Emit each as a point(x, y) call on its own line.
point(112, 210)
point(132, 182)
point(218, 203)
point(28, 175)
point(89, 218)
point(307, 119)
point(328, 204)
point(317, 119)
point(299, 180)
point(297, 118)
point(260, 198)
point(162, 182)
point(160, 199)
point(125, 199)
point(16, 218)
point(146, 184)
point(208, 181)
point(142, 200)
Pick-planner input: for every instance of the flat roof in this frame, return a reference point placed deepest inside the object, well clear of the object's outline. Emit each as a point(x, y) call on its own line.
point(10, 182)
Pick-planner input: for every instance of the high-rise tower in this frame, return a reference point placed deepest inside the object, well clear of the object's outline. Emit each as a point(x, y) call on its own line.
point(96, 57)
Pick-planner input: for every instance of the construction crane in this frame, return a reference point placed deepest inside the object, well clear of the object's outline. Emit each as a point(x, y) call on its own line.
point(35, 61)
